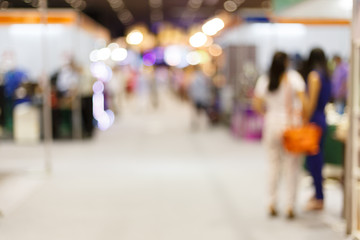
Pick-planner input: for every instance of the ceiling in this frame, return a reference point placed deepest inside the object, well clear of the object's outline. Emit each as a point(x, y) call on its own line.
point(117, 15)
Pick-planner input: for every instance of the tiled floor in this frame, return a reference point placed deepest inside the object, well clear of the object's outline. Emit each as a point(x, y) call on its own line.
point(151, 178)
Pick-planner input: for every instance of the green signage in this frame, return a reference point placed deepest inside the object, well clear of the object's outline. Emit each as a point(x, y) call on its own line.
point(279, 5)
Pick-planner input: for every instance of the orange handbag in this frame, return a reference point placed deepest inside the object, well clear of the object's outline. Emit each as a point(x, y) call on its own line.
point(303, 140)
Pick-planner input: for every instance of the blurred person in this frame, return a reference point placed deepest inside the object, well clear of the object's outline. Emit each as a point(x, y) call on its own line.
point(86, 91)
point(318, 95)
point(199, 93)
point(143, 89)
point(13, 79)
point(272, 93)
point(68, 79)
point(66, 82)
point(116, 88)
point(339, 83)
point(154, 92)
point(131, 81)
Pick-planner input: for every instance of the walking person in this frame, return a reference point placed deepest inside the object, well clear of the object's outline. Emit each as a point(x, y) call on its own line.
point(272, 93)
point(339, 83)
point(318, 95)
point(199, 92)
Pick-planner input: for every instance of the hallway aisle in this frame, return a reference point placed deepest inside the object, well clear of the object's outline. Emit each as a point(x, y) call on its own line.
point(150, 178)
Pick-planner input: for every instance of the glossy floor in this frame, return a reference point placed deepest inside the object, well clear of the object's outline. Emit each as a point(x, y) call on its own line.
point(150, 178)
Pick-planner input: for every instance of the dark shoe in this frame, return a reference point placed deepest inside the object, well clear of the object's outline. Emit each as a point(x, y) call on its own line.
point(290, 214)
point(272, 211)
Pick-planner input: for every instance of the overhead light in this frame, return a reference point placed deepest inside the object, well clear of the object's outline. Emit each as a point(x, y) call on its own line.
point(117, 5)
point(175, 56)
point(125, 16)
point(205, 58)
point(94, 56)
point(104, 54)
point(195, 3)
point(113, 46)
point(230, 6)
point(119, 54)
point(135, 38)
point(198, 40)
point(215, 50)
point(155, 3)
point(213, 26)
point(193, 58)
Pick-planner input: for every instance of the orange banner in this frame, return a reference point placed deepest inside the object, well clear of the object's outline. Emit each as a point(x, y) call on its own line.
point(34, 17)
point(313, 21)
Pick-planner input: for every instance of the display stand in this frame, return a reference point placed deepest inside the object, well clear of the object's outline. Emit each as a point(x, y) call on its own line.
point(54, 34)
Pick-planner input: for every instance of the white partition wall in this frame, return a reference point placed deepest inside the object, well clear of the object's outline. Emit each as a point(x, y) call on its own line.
point(23, 42)
point(291, 38)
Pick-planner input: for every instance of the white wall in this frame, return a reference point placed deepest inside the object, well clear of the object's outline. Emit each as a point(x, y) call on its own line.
point(291, 38)
point(26, 42)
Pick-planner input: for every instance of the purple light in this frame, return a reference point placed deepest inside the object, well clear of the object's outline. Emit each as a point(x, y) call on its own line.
point(149, 58)
point(159, 51)
point(98, 87)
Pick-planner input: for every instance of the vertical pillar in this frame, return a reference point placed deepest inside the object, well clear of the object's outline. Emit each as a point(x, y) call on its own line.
point(47, 116)
point(76, 104)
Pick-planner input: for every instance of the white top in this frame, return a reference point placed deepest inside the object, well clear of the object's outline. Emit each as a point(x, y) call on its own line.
point(67, 79)
point(276, 102)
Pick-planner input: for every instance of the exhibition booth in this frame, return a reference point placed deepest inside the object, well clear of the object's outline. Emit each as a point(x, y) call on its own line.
point(32, 52)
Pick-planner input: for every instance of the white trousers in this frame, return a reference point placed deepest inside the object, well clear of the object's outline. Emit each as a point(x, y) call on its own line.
point(280, 163)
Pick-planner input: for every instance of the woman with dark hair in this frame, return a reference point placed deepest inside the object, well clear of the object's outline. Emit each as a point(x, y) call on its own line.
point(275, 94)
point(319, 93)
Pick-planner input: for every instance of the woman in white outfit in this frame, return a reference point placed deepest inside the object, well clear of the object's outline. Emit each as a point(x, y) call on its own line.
point(279, 96)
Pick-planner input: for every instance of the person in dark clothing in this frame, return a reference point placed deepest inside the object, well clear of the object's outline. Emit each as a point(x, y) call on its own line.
point(319, 94)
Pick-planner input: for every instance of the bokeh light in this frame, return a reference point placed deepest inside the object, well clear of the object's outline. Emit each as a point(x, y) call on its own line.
point(119, 54)
point(213, 26)
point(101, 71)
point(198, 40)
point(104, 54)
point(230, 6)
point(215, 50)
point(113, 46)
point(173, 55)
point(193, 58)
point(135, 38)
point(149, 58)
point(94, 56)
point(98, 87)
